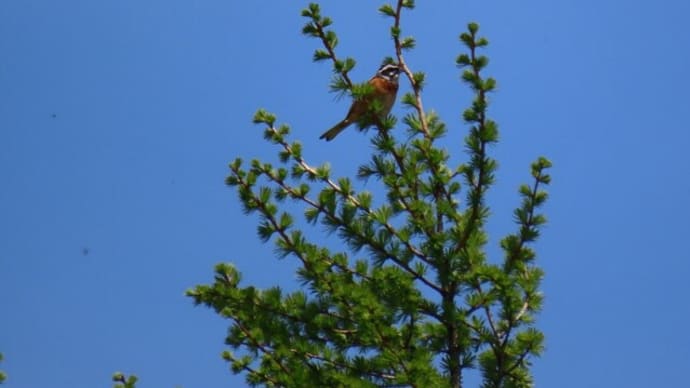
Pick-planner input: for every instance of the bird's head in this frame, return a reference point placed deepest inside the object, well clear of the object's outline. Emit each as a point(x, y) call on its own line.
point(389, 71)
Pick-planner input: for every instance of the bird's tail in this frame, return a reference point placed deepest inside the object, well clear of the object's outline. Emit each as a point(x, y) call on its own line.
point(333, 132)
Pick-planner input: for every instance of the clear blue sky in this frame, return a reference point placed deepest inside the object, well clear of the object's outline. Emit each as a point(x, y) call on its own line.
point(118, 119)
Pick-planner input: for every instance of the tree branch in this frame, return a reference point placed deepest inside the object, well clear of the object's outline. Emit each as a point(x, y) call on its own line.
point(403, 65)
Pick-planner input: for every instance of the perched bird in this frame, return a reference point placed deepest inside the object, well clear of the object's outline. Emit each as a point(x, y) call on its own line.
point(385, 88)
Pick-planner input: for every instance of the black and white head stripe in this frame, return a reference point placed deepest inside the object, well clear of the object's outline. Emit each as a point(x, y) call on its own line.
point(389, 71)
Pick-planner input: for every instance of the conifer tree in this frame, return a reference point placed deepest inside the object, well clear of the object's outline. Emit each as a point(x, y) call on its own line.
point(2, 374)
point(413, 298)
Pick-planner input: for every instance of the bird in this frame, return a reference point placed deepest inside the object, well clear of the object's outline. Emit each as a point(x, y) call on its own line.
point(385, 88)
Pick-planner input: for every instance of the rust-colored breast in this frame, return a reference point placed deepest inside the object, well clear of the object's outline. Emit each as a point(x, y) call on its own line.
point(382, 86)
point(386, 92)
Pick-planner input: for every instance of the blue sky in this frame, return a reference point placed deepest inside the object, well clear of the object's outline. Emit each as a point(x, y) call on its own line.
point(118, 119)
